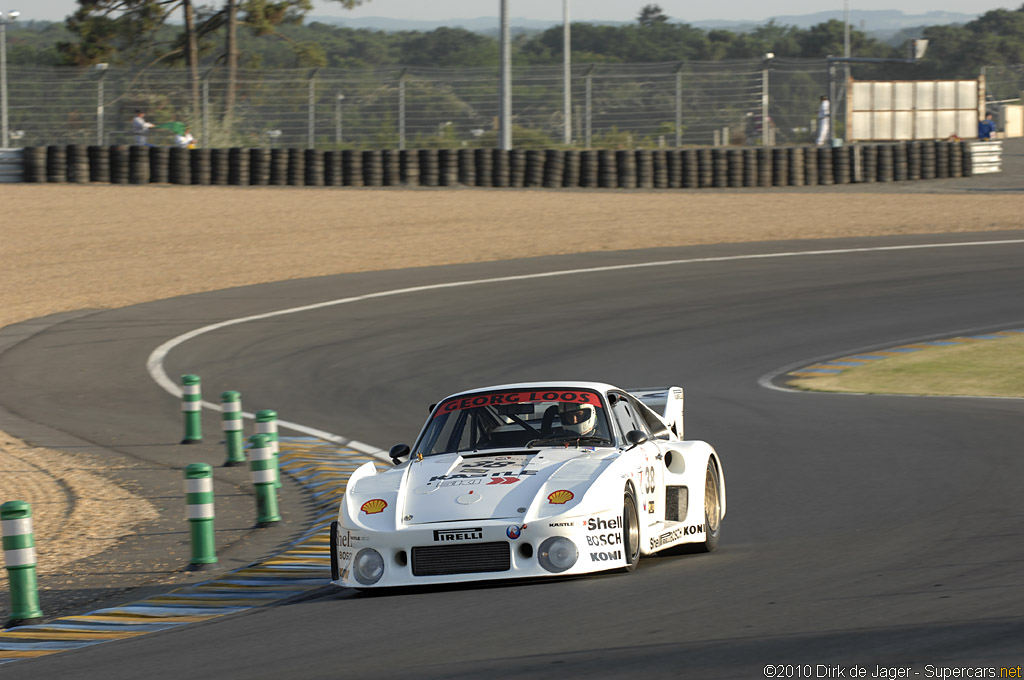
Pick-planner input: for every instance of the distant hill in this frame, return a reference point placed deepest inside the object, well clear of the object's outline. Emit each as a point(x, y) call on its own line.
point(869, 21)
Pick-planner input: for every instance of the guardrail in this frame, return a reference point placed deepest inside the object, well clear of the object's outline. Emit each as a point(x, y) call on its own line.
point(641, 168)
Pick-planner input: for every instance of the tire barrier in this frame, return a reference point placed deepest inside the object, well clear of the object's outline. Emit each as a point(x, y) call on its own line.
point(899, 163)
point(644, 164)
point(429, 170)
point(56, 164)
point(352, 168)
point(590, 169)
point(239, 166)
point(373, 168)
point(884, 154)
point(607, 173)
point(199, 513)
point(219, 167)
point(391, 160)
point(705, 168)
point(259, 167)
point(467, 168)
point(78, 163)
point(332, 169)
point(780, 166)
point(500, 168)
point(266, 423)
point(191, 405)
point(552, 168)
point(159, 158)
point(179, 171)
point(795, 159)
point(810, 166)
point(261, 468)
point(448, 167)
point(749, 167)
point(19, 544)
point(33, 163)
point(483, 162)
point(231, 426)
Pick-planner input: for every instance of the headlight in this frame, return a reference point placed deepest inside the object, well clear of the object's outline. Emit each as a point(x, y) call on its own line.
point(368, 566)
point(557, 554)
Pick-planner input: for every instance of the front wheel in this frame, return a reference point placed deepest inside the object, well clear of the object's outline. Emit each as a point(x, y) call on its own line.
point(631, 530)
point(712, 511)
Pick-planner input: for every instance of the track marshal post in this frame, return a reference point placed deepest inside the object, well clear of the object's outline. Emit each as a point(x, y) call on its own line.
point(19, 545)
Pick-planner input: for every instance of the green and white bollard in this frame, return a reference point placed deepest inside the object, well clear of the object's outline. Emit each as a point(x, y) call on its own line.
point(20, 557)
point(261, 464)
point(231, 424)
point(192, 407)
point(266, 423)
point(199, 513)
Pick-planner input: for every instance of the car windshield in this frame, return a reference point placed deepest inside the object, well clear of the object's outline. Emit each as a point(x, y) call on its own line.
point(516, 419)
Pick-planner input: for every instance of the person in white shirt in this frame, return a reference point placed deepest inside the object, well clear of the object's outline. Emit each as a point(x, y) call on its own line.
point(824, 122)
point(140, 126)
point(185, 140)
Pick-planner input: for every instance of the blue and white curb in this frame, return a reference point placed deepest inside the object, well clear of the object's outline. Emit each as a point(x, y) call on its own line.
point(322, 468)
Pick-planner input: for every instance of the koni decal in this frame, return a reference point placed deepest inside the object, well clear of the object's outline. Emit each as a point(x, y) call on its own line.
point(675, 535)
point(518, 397)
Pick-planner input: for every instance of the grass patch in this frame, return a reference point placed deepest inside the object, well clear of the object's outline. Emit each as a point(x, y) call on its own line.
point(984, 368)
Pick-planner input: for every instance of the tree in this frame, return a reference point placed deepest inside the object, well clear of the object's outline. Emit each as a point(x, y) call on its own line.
point(651, 15)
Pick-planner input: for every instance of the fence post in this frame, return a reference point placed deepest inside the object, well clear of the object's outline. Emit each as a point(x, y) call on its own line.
point(20, 558)
point(191, 406)
point(261, 462)
point(401, 109)
point(206, 108)
point(231, 424)
point(589, 106)
point(266, 423)
point(311, 141)
point(199, 513)
point(679, 105)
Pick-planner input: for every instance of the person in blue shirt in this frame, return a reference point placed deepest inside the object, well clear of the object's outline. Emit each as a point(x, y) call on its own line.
point(986, 127)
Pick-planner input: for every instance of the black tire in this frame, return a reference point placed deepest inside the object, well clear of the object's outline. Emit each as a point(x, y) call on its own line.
point(712, 511)
point(630, 530)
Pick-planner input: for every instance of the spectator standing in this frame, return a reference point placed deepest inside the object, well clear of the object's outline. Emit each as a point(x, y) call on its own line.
point(987, 127)
point(140, 126)
point(824, 121)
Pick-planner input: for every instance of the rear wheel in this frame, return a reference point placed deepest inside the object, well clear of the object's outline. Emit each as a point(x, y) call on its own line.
point(712, 510)
point(630, 530)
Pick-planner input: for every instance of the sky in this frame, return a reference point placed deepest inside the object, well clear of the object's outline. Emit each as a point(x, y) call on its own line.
point(581, 10)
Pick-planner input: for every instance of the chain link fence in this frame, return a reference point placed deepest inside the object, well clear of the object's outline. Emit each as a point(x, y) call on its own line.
point(613, 105)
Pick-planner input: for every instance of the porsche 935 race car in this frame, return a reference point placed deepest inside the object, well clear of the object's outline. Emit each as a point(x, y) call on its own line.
point(529, 480)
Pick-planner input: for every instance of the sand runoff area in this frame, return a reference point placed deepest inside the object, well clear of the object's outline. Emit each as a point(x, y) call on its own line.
point(69, 247)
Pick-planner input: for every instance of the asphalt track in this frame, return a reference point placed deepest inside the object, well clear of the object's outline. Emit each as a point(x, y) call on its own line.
point(870, 531)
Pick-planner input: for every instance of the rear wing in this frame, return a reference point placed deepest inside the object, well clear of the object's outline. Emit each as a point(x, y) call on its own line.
point(667, 402)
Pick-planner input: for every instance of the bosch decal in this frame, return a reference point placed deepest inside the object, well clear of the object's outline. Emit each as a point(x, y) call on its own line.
point(442, 535)
point(604, 539)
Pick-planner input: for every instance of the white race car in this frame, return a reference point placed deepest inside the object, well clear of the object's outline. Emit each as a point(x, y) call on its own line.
point(528, 480)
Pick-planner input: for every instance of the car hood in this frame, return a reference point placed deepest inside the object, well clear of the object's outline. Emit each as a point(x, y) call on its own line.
point(508, 484)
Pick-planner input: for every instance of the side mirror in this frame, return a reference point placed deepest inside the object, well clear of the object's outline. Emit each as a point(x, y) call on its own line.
point(636, 438)
point(398, 451)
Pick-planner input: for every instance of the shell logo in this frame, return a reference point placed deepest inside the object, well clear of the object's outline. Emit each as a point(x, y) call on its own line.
point(560, 497)
point(374, 506)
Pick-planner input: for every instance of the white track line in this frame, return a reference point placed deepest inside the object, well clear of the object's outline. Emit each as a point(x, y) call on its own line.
point(155, 362)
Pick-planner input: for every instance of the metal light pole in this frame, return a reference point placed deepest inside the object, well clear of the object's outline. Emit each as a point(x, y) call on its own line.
point(567, 71)
point(505, 113)
point(337, 118)
point(4, 130)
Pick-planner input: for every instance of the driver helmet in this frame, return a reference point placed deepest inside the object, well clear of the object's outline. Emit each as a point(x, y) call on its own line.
point(578, 419)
